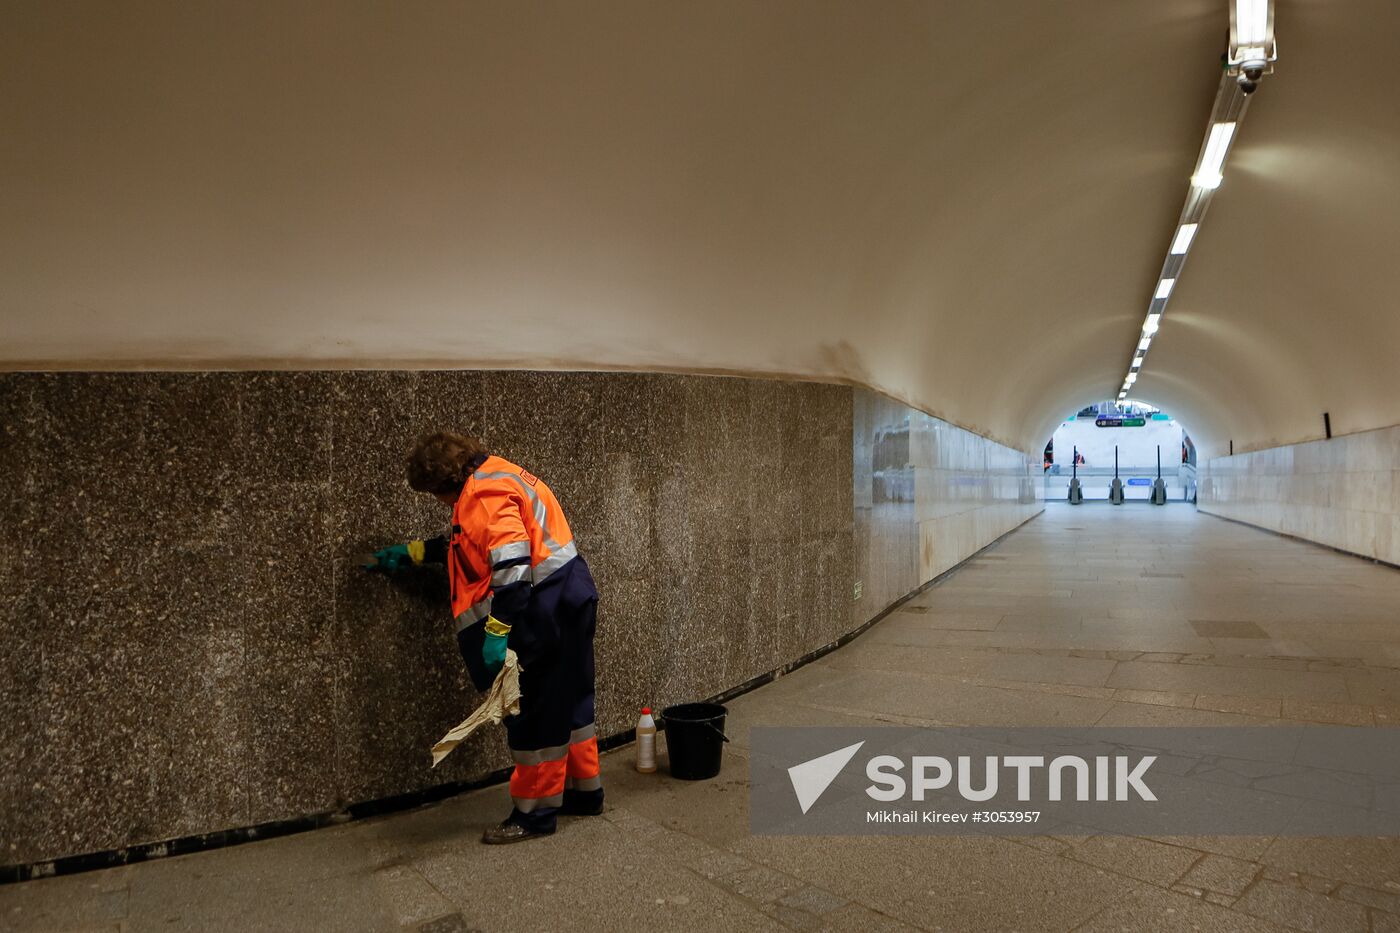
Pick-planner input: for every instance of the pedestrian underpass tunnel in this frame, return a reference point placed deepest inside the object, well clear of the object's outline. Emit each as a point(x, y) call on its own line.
point(782, 301)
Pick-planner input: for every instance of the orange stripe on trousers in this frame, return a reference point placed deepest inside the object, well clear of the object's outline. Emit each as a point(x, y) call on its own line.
point(542, 780)
point(583, 758)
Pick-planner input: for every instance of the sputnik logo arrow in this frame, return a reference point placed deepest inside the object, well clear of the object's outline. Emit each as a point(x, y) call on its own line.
point(811, 778)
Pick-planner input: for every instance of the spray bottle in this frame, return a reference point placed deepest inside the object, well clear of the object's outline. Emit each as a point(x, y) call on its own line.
point(646, 742)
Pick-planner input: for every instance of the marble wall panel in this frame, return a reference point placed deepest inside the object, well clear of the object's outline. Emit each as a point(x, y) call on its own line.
point(887, 531)
point(190, 644)
point(1343, 492)
point(927, 495)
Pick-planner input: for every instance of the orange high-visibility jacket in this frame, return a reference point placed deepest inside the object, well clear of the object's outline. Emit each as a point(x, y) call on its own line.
point(508, 534)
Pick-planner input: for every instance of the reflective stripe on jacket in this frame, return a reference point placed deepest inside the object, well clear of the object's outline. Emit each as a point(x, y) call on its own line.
point(508, 534)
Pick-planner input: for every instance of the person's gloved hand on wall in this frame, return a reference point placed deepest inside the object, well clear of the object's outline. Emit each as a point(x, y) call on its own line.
point(392, 558)
point(493, 648)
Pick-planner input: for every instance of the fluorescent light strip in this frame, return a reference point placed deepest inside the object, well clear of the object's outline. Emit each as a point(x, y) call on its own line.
point(1184, 235)
point(1251, 37)
point(1251, 22)
point(1213, 159)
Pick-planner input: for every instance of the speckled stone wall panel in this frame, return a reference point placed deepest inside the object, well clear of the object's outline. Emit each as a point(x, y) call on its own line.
point(190, 644)
point(21, 659)
point(398, 676)
point(927, 495)
point(132, 563)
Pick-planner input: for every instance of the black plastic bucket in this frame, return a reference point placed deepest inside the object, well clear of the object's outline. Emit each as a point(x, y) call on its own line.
point(695, 739)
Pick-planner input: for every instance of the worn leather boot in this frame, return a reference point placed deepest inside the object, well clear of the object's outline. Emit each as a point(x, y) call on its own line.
point(581, 805)
point(507, 832)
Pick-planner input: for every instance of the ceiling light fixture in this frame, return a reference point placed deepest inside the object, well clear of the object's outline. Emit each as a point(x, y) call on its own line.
point(1252, 45)
point(1184, 235)
point(1209, 173)
point(1250, 56)
point(1251, 22)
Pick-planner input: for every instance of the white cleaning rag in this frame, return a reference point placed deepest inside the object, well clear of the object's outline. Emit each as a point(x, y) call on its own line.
point(502, 699)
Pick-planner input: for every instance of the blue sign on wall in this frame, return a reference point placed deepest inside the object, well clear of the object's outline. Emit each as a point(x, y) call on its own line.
point(1139, 481)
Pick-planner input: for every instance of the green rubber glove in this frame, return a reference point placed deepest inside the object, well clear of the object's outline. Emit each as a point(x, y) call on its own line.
point(395, 556)
point(493, 648)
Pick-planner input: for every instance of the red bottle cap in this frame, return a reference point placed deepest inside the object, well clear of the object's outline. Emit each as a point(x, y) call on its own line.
point(646, 710)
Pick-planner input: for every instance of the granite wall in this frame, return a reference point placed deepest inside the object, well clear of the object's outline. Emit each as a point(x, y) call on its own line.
point(190, 645)
point(1343, 492)
point(928, 494)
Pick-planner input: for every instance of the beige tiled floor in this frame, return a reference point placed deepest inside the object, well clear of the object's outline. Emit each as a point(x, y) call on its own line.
point(1090, 615)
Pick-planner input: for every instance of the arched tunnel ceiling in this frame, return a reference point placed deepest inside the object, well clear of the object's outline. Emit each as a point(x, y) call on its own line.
point(962, 204)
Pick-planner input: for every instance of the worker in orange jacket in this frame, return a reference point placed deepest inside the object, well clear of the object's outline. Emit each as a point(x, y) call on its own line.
point(517, 580)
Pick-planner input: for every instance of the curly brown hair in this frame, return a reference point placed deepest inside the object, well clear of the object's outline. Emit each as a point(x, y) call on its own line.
point(441, 462)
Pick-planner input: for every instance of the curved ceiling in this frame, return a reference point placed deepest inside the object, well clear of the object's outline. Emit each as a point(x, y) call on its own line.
point(962, 204)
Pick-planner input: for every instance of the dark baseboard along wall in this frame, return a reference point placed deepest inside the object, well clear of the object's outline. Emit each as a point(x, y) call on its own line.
point(191, 646)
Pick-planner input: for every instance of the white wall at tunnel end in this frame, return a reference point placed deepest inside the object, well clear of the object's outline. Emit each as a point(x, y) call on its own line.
point(1137, 446)
point(1343, 492)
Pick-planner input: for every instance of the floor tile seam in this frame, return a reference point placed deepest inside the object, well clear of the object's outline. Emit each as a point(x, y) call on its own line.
point(1113, 904)
point(1366, 887)
point(1253, 881)
point(436, 890)
point(728, 893)
point(977, 680)
point(1019, 687)
point(1258, 879)
point(1057, 687)
point(1015, 688)
point(879, 911)
point(1195, 698)
point(715, 882)
point(1069, 856)
point(877, 717)
point(1200, 857)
